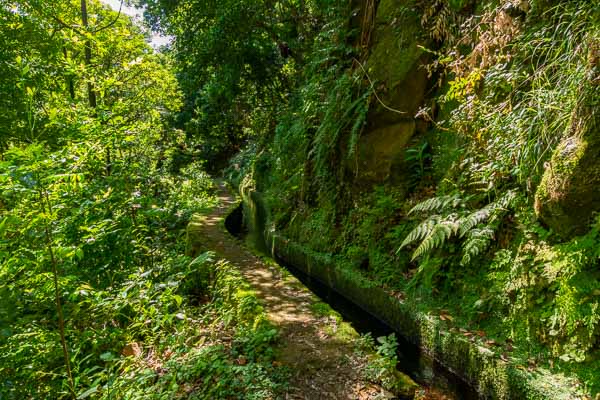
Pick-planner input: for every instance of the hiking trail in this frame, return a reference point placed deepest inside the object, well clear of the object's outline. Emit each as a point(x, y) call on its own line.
point(318, 349)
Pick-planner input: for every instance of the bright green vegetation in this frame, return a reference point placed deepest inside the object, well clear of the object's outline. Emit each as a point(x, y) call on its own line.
point(98, 298)
point(444, 151)
point(221, 349)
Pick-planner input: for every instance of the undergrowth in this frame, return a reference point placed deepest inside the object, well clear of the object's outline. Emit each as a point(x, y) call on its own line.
point(222, 350)
point(141, 319)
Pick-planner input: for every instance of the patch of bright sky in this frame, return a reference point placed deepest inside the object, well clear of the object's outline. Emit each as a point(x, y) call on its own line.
point(157, 39)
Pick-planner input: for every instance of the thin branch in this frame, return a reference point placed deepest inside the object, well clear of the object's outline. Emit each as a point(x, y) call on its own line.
point(61, 319)
point(111, 23)
point(375, 92)
point(65, 25)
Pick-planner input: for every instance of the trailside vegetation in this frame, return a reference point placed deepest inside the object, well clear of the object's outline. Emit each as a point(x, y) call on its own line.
point(447, 151)
point(97, 296)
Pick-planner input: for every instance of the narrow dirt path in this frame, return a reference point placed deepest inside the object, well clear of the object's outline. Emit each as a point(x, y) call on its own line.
point(318, 349)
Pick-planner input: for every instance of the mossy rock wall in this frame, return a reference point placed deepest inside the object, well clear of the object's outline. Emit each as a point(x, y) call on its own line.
point(395, 64)
point(493, 378)
point(381, 153)
point(569, 193)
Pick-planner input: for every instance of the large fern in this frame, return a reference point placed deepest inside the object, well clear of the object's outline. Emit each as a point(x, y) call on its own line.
point(449, 217)
point(438, 204)
point(437, 236)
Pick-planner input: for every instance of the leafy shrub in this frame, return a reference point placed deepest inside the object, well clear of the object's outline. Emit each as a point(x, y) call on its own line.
point(211, 367)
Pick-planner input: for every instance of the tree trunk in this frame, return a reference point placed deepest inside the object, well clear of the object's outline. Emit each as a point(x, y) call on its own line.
point(91, 92)
point(88, 53)
point(70, 84)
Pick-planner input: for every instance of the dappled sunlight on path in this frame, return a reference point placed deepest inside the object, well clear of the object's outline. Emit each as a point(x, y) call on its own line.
point(319, 350)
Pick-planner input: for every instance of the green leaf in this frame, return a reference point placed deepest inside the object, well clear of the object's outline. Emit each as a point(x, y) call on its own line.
point(88, 392)
point(108, 356)
point(178, 299)
point(3, 225)
point(201, 259)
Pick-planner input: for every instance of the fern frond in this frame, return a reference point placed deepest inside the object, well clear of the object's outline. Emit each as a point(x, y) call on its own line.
point(436, 237)
point(507, 200)
point(478, 241)
point(493, 209)
point(437, 204)
point(437, 229)
point(470, 221)
point(421, 231)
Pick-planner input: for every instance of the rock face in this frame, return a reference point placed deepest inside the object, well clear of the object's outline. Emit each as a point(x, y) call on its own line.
point(395, 62)
point(381, 152)
point(395, 67)
point(569, 193)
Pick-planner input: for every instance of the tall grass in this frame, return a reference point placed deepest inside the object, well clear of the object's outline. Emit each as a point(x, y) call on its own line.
point(524, 103)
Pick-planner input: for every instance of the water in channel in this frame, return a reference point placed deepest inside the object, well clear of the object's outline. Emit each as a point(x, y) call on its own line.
point(440, 383)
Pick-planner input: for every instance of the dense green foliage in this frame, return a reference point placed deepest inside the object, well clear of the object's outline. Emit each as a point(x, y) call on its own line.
point(454, 224)
point(414, 141)
point(97, 298)
point(236, 63)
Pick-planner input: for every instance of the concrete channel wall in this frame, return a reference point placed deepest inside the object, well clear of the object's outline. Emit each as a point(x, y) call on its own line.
point(492, 377)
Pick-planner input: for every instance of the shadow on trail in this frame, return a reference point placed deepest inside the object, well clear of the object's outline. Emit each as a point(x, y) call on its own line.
point(444, 383)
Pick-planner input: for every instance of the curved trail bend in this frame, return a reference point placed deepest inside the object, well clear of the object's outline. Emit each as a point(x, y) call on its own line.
point(318, 350)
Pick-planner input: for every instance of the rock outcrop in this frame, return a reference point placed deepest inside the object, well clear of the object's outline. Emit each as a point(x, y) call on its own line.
point(395, 66)
point(569, 193)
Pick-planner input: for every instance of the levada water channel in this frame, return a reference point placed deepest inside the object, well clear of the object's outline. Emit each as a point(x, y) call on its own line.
point(441, 382)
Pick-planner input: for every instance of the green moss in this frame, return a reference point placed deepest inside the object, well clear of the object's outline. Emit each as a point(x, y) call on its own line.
point(382, 152)
point(567, 196)
point(394, 60)
point(474, 360)
point(343, 331)
point(392, 40)
point(321, 309)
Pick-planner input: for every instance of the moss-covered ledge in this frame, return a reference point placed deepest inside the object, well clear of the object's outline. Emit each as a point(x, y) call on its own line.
point(482, 368)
